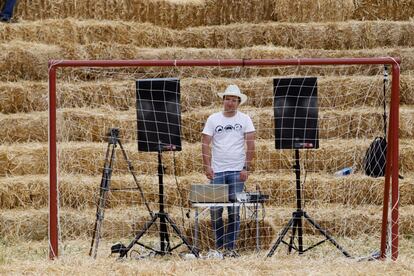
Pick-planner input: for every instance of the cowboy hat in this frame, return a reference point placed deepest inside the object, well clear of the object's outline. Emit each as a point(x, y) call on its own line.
point(233, 90)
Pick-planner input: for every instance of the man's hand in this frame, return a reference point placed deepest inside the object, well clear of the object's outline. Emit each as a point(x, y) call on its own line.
point(209, 173)
point(244, 175)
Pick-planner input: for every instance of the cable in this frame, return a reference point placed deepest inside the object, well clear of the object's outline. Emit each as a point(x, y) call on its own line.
point(304, 179)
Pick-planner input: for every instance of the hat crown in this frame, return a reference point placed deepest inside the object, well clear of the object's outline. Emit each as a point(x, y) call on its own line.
point(232, 90)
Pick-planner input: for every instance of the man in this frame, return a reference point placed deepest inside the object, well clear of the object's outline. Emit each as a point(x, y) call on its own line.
point(232, 136)
point(6, 13)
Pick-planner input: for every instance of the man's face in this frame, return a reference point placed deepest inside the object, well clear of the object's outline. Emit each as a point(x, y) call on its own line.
point(231, 103)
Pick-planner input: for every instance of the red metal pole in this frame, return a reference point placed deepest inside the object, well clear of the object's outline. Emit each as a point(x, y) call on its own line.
point(224, 62)
point(391, 171)
point(395, 88)
point(53, 191)
point(388, 166)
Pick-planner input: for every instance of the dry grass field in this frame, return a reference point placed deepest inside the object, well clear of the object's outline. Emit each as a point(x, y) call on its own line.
point(29, 258)
point(90, 101)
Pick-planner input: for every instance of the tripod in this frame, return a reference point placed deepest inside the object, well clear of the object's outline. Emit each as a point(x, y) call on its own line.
point(113, 141)
point(164, 218)
point(295, 223)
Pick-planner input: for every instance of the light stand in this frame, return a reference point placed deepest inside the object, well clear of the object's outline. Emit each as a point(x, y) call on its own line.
point(158, 129)
point(296, 127)
point(164, 218)
point(296, 223)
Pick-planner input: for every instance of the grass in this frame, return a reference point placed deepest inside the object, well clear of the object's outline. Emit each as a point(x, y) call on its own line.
point(24, 257)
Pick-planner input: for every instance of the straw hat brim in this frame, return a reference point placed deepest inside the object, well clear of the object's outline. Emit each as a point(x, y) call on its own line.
point(243, 97)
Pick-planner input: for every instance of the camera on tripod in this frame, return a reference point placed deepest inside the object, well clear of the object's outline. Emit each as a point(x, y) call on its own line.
point(113, 136)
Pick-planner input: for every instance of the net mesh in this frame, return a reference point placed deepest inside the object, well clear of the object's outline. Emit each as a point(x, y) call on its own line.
point(350, 116)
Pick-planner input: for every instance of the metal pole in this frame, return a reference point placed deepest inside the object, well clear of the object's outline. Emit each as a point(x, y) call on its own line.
point(53, 190)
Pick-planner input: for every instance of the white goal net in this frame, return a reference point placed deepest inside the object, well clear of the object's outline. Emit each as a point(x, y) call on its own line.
point(90, 101)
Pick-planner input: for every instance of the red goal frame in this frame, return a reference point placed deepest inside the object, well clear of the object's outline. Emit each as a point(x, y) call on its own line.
point(392, 165)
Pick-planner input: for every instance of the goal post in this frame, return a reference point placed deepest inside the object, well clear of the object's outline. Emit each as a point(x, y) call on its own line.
point(391, 184)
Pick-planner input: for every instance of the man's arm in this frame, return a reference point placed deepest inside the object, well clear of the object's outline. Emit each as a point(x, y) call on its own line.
point(249, 137)
point(206, 152)
point(250, 151)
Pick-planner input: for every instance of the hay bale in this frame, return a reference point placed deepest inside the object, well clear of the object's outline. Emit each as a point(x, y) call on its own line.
point(174, 14)
point(384, 10)
point(21, 159)
point(119, 223)
point(88, 125)
point(24, 192)
point(329, 36)
point(319, 188)
point(23, 96)
point(82, 191)
point(407, 89)
point(336, 219)
point(181, 14)
point(93, 34)
point(247, 235)
point(27, 224)
point(124, 191)
point(88, 158)
point(22, 127)
point(26, 61)
point(314, 11)
point(30, 96)
point(38, 61)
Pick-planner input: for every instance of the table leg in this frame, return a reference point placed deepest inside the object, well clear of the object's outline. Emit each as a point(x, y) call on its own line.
point(195, 243)
point(256, 206)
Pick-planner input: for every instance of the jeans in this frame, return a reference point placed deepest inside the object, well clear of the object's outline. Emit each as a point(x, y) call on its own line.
point(7, 11)
point(228, 239)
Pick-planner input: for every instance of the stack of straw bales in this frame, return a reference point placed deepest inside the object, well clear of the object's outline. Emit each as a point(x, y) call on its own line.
point(95, 35)
point(93, 101)
point(180, 14)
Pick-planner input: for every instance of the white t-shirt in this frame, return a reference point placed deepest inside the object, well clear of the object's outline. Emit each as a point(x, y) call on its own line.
point(228, 140)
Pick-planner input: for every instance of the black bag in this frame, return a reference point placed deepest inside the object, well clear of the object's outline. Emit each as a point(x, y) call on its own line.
point(376, 158)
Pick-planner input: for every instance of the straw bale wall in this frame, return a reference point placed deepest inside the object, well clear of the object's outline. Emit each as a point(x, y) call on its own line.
point(93, 125)
point(311, 11)
point(28, 61)
point(120, 223)
point(384, 9)
point(87, 158)
point(91, 101)
point(180, 14)
point(175, 14)
point(330, 35)
point(247, 235)
point(81, 191)
point(29, 96)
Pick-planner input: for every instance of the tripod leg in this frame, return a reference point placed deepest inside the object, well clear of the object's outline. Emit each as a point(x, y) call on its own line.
point(280, 238)
point(323, 232)
point(292, 238)
point(100, 209)
point(177, 230)
point(164, 236)
point(300, 232)
point(131, 170)
point(147, 225)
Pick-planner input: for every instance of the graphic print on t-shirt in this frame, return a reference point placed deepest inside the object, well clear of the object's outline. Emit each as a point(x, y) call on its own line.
point(228, 128)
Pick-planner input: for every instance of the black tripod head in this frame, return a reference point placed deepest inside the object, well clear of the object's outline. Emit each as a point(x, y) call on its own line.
point(113, 136)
